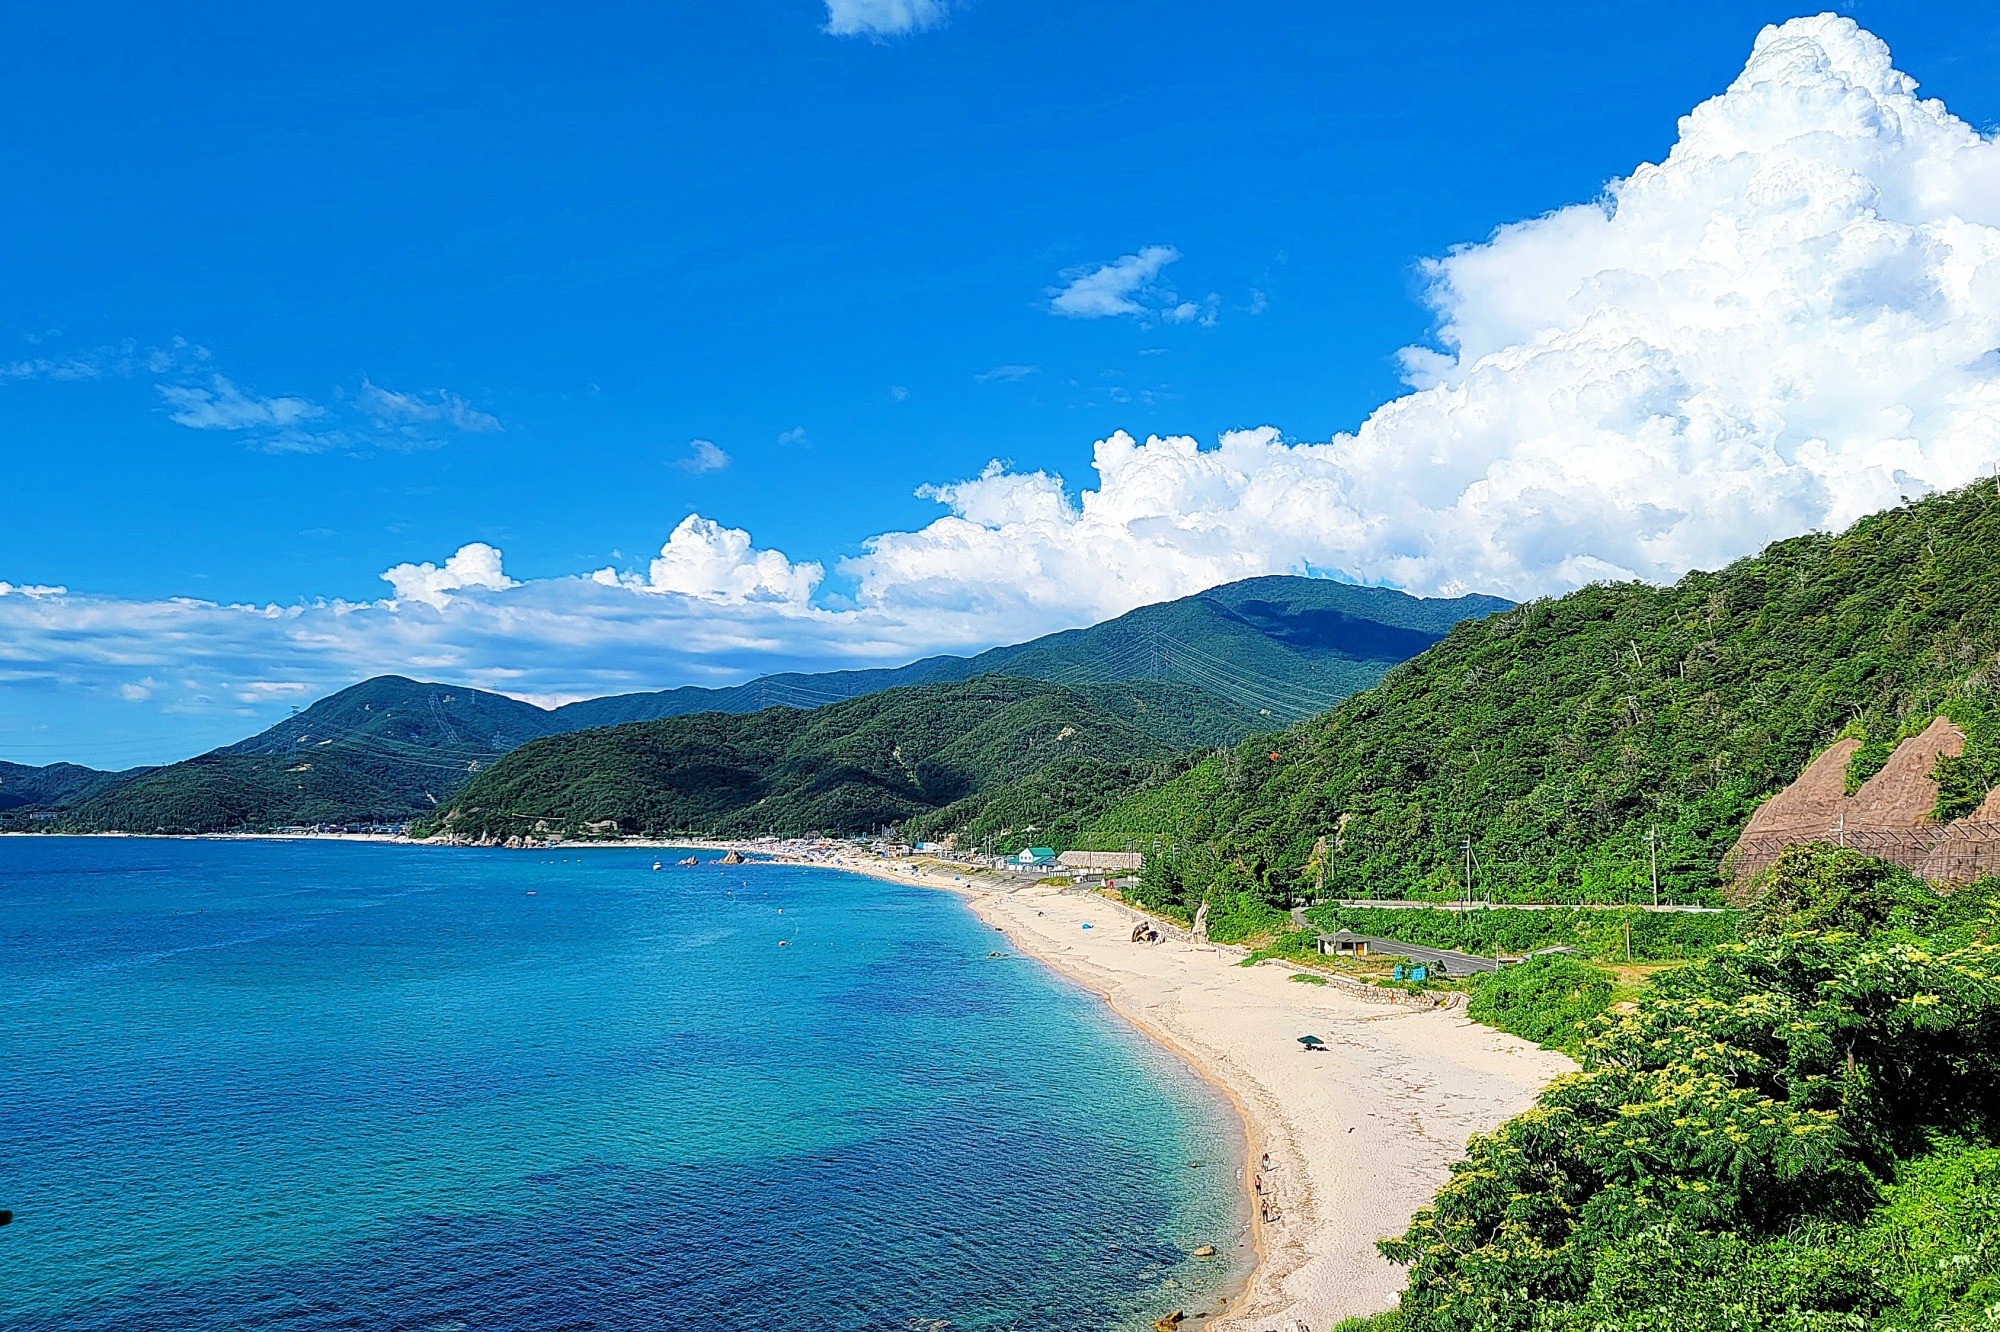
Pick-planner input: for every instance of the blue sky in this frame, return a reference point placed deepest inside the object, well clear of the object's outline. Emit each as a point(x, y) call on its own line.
point(297, 295)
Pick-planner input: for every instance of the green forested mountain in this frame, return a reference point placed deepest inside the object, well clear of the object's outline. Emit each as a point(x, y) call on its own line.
point(1049, 807)
point(847, 767)
point(390, 715)
point(52, 787)
point(1209, 668)
point(385, 750)
point(1283, 646)
point(1557, 736)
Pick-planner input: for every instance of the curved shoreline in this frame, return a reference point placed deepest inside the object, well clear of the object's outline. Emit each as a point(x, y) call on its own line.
point(1358, 1138)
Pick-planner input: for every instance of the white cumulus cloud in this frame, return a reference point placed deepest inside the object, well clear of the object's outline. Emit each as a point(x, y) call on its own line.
point(706, 560)
point(1789, 321)
point(476, 565)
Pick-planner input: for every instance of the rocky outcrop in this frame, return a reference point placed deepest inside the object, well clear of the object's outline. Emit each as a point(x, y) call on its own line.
point(1813, 802)
point(1904, 794)
point(1892, 816)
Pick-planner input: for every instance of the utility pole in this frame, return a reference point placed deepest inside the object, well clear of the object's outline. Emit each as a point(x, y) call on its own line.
point(1653, 845)
point(1468, 873)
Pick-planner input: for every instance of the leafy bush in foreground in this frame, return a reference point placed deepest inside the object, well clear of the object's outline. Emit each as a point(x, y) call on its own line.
point(1820, 887)
point(1794, 1133)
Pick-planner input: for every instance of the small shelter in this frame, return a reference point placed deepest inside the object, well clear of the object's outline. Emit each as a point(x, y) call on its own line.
point(1036, 856)
point(1344, 943)
point(1442, 961)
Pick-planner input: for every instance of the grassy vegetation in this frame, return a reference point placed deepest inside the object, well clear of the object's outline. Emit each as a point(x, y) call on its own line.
point(1550, 1000)
point(1795, 1132)
point(1601, 934)
point(1560, 736)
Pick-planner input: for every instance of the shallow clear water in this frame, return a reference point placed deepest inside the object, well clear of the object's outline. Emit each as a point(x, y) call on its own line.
point(317, 1086)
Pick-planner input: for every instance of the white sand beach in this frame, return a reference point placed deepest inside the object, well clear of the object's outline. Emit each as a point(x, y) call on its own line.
point(1359, 1136)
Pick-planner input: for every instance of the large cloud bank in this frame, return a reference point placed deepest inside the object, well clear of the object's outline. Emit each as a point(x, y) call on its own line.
point(1789, 322)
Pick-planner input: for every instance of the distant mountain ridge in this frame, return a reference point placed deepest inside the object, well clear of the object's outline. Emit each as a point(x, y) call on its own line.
point(25, 787)
point(1261, 653)
point(1283, 645)
point(848, 767)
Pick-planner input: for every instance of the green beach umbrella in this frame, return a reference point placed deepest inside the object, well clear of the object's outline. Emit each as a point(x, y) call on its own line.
point(1312, 1042)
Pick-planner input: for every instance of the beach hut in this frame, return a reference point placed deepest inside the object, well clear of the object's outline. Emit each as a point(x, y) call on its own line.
point(1035, 857)
point(1443, 961)
point(1344, 943)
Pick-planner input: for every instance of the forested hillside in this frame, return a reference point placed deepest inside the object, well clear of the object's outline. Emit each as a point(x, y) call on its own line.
point(383, 751)
point(55, 786)
point(1211, 668)
point(1558, 737)
point(847, 767)
point(1282, 647)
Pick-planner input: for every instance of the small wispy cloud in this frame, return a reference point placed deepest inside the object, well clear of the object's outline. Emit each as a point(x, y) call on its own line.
point(1201, 312)
point(883, 18)
point(899, 393)
point(1006, 374)
point(1113, 289)
point(55, 368)
point(703, 455)
point(796, 435)
point(221, 405)
point(391, 409)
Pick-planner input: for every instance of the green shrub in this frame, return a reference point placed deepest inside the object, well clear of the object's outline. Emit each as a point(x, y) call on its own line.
point(1757, 1141)
point(1235, 917)
point(1550, 1000)
point(1820, 887)
point(1936, 1241)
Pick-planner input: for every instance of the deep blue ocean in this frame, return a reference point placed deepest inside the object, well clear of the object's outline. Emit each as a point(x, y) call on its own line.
point(317, 1086)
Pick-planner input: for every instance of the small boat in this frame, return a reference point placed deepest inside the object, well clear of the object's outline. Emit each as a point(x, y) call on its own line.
point(691, 860)
point(656, 864)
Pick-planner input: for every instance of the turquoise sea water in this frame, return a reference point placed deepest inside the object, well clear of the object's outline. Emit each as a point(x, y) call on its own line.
point(319, 1086)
